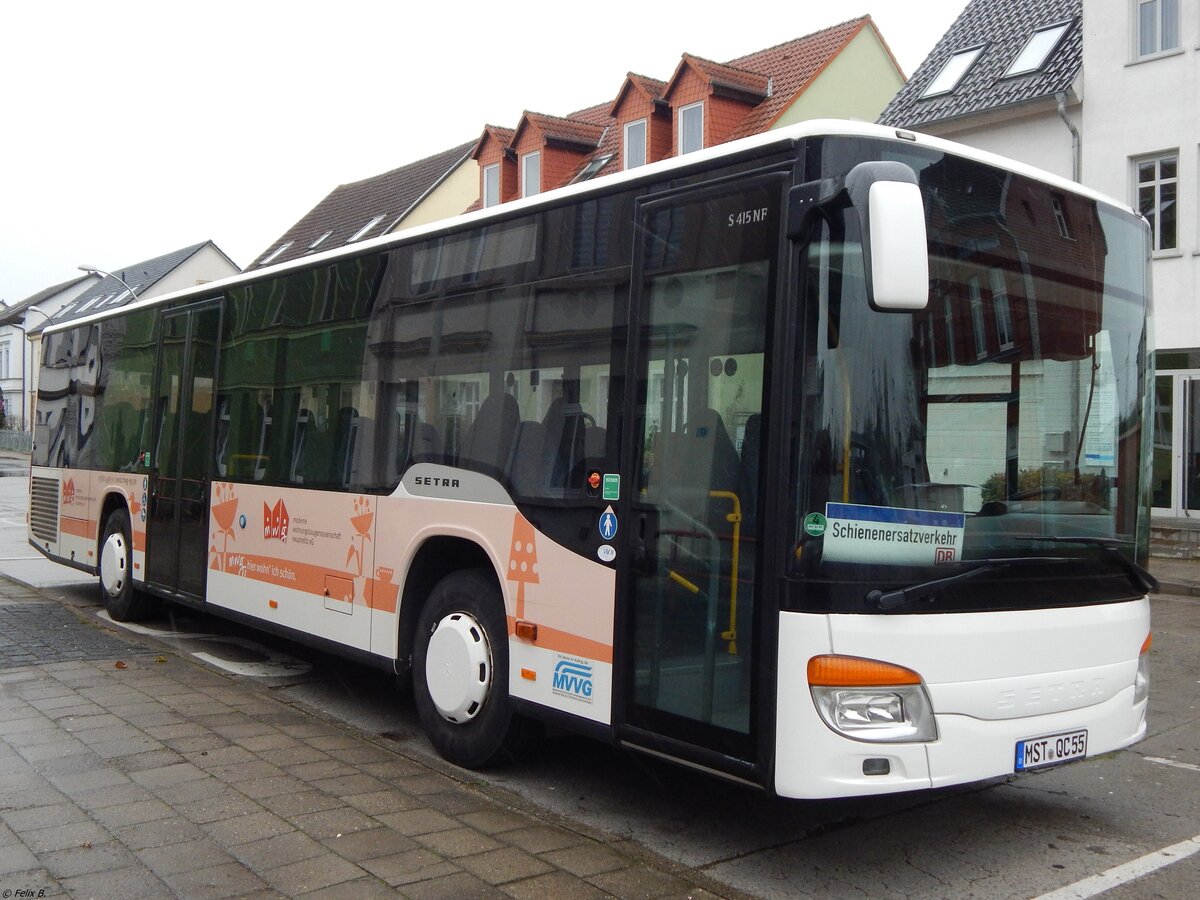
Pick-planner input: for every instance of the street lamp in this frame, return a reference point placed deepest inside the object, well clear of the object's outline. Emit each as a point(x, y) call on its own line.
point(92, 270)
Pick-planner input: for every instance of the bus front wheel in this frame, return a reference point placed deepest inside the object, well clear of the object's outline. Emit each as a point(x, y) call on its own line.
point(460, 671)
point(122, 600)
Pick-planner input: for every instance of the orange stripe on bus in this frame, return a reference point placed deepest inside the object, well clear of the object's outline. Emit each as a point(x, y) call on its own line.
point(139, 540)
point(78, 527)
point(565, 642)
point(310, 579)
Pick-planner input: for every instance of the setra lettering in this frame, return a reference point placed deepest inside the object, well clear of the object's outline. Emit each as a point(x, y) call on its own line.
point(433, 481)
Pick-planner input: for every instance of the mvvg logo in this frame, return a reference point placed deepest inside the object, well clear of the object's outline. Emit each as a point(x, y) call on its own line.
point(275, 522)
point(68, 492)
point(573, 678)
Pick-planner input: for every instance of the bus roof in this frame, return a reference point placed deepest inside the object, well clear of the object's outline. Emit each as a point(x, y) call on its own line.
point(781, 136)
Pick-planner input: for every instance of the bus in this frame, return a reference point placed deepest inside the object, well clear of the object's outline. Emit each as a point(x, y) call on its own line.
point(817, 461)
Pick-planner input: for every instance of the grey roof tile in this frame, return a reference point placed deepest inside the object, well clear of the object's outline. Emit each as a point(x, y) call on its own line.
point(1002, 27)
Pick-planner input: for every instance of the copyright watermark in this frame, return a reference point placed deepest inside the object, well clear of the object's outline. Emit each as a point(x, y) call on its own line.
point(15, 893)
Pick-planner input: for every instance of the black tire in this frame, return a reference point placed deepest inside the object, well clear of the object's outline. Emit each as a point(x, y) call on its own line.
point(124, 602)
point(469, 604)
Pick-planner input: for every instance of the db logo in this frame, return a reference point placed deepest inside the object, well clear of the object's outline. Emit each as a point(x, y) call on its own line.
point(943, 555)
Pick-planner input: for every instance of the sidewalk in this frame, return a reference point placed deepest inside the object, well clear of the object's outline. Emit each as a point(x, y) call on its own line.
point(1176, 576)
point(129, 771)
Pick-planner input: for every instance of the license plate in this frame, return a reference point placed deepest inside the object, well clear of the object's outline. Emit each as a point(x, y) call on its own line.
point(1034, 753)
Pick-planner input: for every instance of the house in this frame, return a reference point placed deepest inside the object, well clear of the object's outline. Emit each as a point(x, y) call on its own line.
point(16, 360)
point(433, 188)
point(185, 267)
point(1008, 76)
point(845, 71)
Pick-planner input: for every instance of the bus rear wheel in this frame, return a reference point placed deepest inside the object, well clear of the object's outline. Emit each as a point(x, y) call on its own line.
point(460, 672)
point(122, 600)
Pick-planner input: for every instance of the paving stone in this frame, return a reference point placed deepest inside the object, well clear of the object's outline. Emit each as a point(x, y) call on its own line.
point(458, 842)
point(300, 803)
point(245, 828)
point(460, 885)
point(172, 859)
point(371, 843)
point(176, 773)
point(554, 884)
point(216, 809)
point(540, 838)
point(505, 864)
point(313, 874)
point(133, 813)
point(64, 837)
point(37, 817)
point(17, 857)
point(86, 859)
point(409, 868)
point(385, 801)
point(173, 830)
point(132, 881)
point(280, 850)
point(418, 821)
point(495, 821)
point(586, 859)
point(332, 822)
point(638, 883)
point(231, 879)
point(111, 795)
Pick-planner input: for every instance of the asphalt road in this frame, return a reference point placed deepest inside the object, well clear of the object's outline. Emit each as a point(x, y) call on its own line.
point(1128, 822)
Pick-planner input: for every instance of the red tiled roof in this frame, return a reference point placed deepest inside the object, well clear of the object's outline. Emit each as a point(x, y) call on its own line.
point(740, 80)
point(791, 67)
point(651, 87)
point(572, 131)
point(503, 136)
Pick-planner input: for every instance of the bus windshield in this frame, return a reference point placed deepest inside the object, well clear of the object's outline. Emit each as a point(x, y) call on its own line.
point(1003, 423)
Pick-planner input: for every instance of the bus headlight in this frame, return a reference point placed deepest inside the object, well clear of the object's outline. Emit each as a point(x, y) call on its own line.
point(1141, 681)
point(868, 700)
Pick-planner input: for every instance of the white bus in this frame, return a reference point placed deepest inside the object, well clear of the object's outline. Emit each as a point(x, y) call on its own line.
point(817, 461)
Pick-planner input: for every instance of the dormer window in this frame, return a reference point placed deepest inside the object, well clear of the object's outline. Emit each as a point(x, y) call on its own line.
point(531, 174)
point(275, 254)
point(952, 72)
point(691, 128)
point(1037, 50)
point(362, 231)
point(491, 185)
point(591, 169)
point(634, 154)
point(319, 241)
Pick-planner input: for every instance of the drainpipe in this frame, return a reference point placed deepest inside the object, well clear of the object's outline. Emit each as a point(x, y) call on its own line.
point(1076, 162)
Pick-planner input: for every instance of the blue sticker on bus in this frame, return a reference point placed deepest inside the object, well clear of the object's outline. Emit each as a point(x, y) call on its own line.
point(608, 524)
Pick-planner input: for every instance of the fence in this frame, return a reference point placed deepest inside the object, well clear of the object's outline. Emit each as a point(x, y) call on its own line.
point(20, 441)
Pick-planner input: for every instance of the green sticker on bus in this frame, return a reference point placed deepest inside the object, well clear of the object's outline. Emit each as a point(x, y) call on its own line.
point(814, 524)
point(612, 487)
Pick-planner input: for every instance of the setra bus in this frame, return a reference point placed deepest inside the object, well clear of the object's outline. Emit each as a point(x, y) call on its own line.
point(816, 460)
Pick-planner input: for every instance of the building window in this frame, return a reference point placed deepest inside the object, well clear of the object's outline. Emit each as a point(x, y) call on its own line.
point(4, 357)
point(1060, 217)
point(1037, 50)
point(362, 232)
point(319, 241)
point(1157, 26)
point(691, 128)
point(952, 72)
point(278, 250)
point(635, 144)
point(491, 185)
point(1157, 195)
point(531, 174)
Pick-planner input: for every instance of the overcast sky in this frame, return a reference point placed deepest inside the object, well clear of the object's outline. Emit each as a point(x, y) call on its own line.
point(130, 129)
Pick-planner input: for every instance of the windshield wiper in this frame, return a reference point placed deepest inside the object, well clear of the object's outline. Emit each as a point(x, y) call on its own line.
point(886, 601)
point(1139, 576)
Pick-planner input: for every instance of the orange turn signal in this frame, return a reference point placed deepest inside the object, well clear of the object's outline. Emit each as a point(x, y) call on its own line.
point(526, 630)
point(1146, 644)
point(851, 671)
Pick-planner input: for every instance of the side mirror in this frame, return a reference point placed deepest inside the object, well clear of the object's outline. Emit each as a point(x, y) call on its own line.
point(892, 218)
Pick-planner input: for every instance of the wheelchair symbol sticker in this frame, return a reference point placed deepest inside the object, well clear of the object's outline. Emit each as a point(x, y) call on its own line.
point(608, 524)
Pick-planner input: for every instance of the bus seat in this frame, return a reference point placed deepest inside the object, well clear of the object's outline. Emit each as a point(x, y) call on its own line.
point(699, 460)
point(489, 439)
point(528, 473)
point(565, 428)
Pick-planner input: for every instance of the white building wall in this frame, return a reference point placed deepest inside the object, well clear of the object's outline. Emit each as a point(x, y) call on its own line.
point(206, 264)
point(1039, 138)
point(1139, 109)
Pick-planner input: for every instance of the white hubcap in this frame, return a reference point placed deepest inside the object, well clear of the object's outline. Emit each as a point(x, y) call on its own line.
point(458, 667)
point(113, 559)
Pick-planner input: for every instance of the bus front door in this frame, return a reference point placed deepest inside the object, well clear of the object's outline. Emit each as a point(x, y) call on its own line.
point(177, 523)
point(703, 300)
